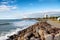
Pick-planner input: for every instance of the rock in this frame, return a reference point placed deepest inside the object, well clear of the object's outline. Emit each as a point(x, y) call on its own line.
point(34, 38)
point(41, 33)
point(38, 31)
point(48, 37)
point(57, 37)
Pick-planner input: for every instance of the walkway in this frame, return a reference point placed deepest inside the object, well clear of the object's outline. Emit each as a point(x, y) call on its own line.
point(54, 23)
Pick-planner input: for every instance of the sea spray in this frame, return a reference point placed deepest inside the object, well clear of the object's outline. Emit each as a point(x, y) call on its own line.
point(4, 37)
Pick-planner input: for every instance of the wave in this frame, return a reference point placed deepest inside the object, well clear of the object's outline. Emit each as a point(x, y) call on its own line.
point(18, 26)
point(4, 23)
point(4, 37)
point(12, 32)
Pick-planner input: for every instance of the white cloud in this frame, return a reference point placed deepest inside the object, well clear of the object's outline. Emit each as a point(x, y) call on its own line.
point(8, 1)
point(14, 7)
point(4, 8)
point(7, 8)
point(5, 5)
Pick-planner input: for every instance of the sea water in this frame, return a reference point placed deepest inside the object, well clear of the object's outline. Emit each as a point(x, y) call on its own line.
point(10, 28)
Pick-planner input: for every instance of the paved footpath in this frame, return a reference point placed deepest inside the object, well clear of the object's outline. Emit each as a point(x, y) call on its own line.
point(54, 24)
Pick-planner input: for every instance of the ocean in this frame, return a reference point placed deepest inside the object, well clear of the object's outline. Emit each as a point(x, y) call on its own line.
point(10, 27)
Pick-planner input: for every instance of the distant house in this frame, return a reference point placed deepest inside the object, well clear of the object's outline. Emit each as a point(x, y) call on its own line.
point(58, 19)
point(45, 16)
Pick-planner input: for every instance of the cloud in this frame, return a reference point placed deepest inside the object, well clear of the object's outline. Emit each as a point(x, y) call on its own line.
point(8, 1)
point(14, 7)
point(7, 8)
point(4, 3)
point(7, 5)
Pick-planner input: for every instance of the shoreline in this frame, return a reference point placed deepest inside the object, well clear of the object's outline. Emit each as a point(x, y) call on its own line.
point(31, 30)
point(24, 24)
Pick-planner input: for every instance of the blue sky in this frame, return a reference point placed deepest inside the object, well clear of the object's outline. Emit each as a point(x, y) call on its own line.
point(23, 8)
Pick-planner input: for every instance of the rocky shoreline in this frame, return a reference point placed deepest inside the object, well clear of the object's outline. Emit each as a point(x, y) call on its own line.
point(38, 31)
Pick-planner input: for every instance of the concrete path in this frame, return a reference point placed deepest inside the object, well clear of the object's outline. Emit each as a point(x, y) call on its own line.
point(54, 24)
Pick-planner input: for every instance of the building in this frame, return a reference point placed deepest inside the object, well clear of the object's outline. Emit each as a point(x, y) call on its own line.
point(58, 19)
point(45, 15)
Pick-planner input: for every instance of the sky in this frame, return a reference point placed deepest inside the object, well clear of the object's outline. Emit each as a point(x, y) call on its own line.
point(11, 9)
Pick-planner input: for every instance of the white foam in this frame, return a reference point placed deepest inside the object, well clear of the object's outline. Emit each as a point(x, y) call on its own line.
point(4, 37)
